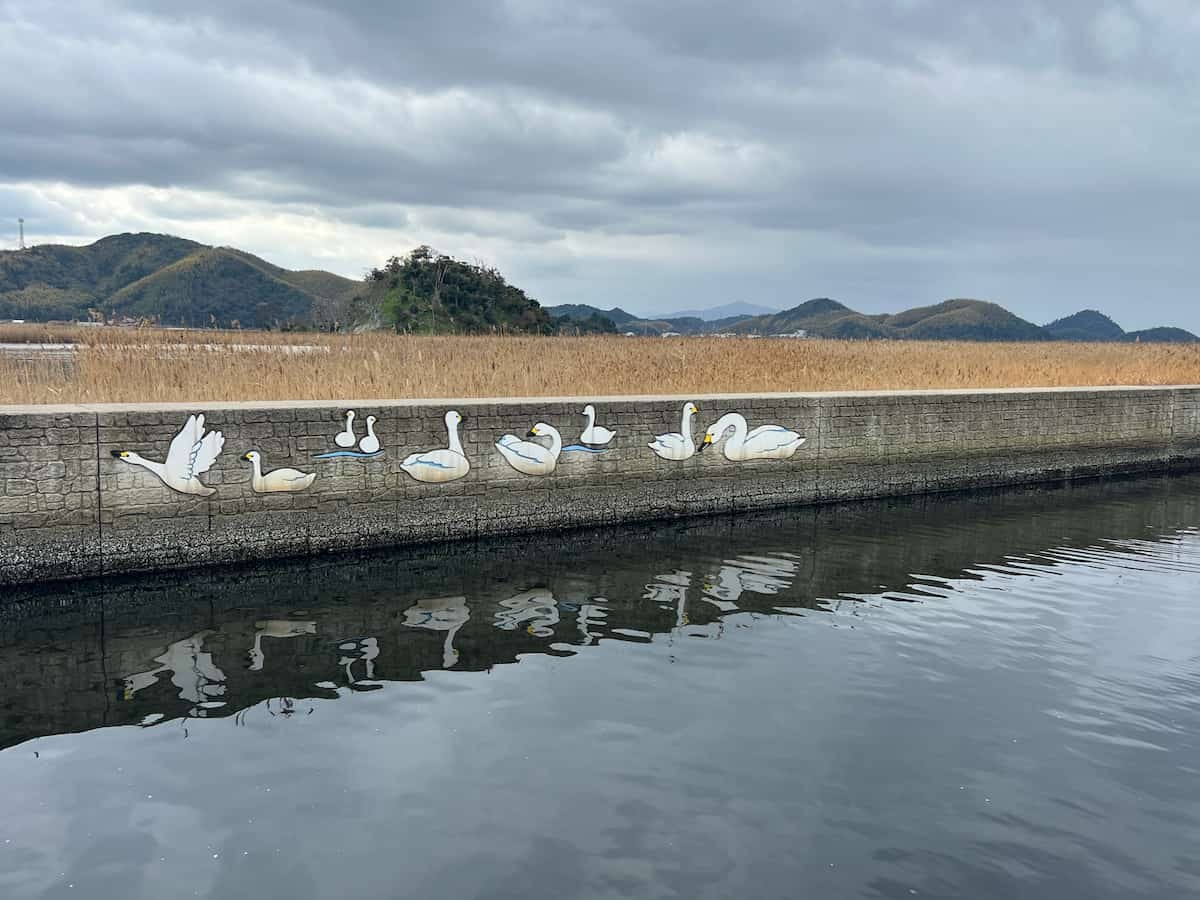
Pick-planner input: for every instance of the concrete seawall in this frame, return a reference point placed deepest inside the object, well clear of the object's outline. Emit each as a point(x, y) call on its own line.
point(84, 490)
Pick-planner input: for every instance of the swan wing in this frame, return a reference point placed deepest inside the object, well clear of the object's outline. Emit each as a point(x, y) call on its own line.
point(767, 438)
point(436, 459)
point(674, 439)
point(513, 445)
point(204, 453)
point(179, 454)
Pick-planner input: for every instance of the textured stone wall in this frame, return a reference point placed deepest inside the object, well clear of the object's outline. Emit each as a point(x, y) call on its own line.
point(69, 508)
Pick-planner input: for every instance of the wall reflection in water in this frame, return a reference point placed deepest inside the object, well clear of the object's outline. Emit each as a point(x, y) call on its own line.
point(145, 650)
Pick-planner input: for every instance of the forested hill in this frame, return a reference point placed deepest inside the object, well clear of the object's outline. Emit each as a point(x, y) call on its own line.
point(165, 280)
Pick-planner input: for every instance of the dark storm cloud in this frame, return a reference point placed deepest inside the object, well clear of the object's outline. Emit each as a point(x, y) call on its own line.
point(1037, 153)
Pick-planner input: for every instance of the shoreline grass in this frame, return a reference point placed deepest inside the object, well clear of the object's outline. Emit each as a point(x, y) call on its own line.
point(146, 365)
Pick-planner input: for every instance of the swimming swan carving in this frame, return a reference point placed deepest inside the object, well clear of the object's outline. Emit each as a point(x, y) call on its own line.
point(529, 457)
point(764, 442)
point(440, 465)
point(191, 454)
point(277, 480)
point(596, 435)
point(677, 445)
point(369, 443)
point(347, 438)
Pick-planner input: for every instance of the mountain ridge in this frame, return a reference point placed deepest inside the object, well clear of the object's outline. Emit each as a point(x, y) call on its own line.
point(169, 280)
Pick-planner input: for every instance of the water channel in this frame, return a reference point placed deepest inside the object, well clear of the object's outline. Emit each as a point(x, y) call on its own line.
point(985, 696)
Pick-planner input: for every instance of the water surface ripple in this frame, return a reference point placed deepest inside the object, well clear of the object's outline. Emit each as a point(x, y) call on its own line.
point(992, 696)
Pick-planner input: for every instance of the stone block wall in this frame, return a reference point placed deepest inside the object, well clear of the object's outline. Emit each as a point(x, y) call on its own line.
point(69, 508)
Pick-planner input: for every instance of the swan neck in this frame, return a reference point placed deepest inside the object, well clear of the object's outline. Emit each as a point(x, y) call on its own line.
point(455, 443)
point(159, 469)
point(738, 422)
point(370, 428)
point(591, 417)
point(555, 441)
point(686, 424)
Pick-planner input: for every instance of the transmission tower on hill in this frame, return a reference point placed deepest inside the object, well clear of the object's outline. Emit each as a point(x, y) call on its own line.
point(21, 229)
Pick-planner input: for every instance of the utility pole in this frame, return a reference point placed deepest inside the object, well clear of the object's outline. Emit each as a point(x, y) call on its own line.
point(21, 229)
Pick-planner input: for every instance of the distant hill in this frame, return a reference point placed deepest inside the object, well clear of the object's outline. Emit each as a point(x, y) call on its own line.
point(1085, 325)
point(167, 280)
point(616, 315)
point(953, 320)
point(430, 293)
point(725, 311)
point(1163, 336)
point(1090, 325)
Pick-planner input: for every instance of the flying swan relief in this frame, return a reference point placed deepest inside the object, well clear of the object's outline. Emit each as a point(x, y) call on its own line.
point(678, 445)
point(437, 466)
point(764, 442)
point(191, 454)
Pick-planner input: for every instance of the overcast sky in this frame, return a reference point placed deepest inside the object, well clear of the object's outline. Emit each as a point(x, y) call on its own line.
point(649, 154)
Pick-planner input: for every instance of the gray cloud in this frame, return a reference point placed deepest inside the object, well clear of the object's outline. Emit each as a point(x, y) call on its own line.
point(655, 155)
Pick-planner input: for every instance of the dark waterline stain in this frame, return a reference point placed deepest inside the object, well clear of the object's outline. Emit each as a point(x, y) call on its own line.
point(988, 696)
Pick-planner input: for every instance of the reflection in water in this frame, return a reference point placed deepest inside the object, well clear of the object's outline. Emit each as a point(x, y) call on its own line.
point(192, 670)
point(536, 609)
point(990, 706)
point(446, 614)
point(359, 650)
point(276, 628)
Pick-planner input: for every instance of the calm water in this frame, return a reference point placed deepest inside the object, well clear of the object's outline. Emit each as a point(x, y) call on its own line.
point(985, 697)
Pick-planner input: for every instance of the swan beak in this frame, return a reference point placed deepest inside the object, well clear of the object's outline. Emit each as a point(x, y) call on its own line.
point(120, 454)
point(532, 433)
point(707, 442)
point(246, 456)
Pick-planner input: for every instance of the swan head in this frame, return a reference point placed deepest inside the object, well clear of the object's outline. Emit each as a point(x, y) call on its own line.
point(690, 409)
point(371, 420)
point(589, 410)
point(541, 429)
point(123, 454)
point(717, 430)
point(349, 415)
point(453, 418)
point(252, 456)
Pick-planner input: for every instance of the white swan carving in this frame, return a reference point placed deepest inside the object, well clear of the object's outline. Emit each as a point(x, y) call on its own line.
point(347, 438)
point(764, 442)
point(593, 434)
point(529, 457)
point(437, 466)
point(369, 443)
point(278, 479)
point(191, 454)
point(677, 445)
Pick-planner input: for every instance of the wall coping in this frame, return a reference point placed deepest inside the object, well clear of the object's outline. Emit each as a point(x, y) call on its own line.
point(378, 403)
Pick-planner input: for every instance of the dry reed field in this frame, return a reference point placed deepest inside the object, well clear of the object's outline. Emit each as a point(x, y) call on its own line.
point(135, 365)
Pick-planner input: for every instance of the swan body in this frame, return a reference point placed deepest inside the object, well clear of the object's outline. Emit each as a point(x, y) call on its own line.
point(530, 457)
point(677, 445)
point(278, 479)
point(347, 437)
point(369, 443)
point(437, 466)
point(191, 454)
point(593, 434)
point(763, 442)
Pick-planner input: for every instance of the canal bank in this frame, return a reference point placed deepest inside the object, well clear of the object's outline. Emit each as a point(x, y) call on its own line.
point(101, 489)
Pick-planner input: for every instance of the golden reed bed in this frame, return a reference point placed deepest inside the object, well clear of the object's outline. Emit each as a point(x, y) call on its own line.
point(144, 365)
